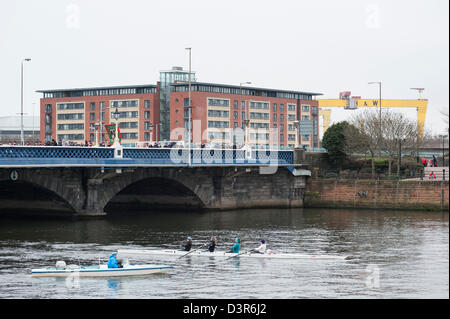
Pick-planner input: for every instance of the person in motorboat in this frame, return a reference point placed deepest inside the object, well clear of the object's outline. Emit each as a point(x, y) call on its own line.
point(113, 262)
point(188, 245)
point(261, 249)
point(236, 247)
point(212, 244)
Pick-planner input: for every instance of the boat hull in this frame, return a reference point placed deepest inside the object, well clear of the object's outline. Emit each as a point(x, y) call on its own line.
point(179, 253)
point(101, 271)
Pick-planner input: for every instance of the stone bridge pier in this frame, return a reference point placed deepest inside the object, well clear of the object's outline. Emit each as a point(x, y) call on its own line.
point(84, 191)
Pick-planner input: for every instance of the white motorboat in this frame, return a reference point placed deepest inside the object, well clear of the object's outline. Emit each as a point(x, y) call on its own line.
point(60, 270)
point(223, 254)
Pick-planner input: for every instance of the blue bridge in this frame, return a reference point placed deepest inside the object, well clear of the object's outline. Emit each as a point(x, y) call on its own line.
point(94, 181)
point(48, 156)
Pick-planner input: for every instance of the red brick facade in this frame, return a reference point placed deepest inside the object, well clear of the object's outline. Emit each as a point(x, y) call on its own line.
point(50, 119)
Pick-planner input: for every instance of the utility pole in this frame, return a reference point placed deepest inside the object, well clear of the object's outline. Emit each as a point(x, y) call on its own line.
point(189, 107)
point(22, 138)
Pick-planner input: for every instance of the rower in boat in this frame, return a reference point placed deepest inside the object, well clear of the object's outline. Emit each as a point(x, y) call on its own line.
point(236, 247)
point(261, 249)
point(188, 245)
point(212, 244)
point(113, 262)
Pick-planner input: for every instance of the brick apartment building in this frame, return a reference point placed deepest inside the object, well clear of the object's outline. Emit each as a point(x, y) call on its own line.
point(160, 112)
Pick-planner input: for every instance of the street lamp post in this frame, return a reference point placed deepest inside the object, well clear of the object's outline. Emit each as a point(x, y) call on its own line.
point(116, 115)
point(22, 139)
point(443, 148)
point(158, 129)
point(379, 85)
point(151, 133)
point(189, 106)
point(296, 125)
point(245, 120)
point(96, 127)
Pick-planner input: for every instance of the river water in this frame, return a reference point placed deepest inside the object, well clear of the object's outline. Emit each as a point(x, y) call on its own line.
point(393, 254)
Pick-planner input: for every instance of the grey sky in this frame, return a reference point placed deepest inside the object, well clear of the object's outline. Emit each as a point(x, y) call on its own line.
point(318, 46)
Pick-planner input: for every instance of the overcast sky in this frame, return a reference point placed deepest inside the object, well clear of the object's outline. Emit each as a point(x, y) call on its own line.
point(319, 46)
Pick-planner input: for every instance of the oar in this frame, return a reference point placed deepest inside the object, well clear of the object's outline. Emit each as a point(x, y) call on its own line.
point(192, 251)
point(244, 252)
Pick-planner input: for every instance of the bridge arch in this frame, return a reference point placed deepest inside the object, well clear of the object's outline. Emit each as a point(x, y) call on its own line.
point(24, 197)
point(156, 190)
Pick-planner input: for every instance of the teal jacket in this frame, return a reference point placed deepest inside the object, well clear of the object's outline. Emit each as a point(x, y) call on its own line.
point(235, 248)
point(112, 262)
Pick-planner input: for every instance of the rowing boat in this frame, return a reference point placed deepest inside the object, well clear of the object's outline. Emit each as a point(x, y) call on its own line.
point(99, 271)
point(200, 253)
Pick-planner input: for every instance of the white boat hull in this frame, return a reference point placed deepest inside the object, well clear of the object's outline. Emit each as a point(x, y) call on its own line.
point(101, 271)
point(200, 253)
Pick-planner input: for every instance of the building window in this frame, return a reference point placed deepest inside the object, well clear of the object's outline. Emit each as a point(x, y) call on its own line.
point(274, 117)
point(92, 106)
point(235, 115)
point(235, 104)
point(147, 104)
point(281, 116)
point(281, 107)
point(48, 108)
point(305, 138)
point(305, 108)
point(218, 102)
point(70, 106)
point(274, 106)
point(92, 116)
point(146, 114)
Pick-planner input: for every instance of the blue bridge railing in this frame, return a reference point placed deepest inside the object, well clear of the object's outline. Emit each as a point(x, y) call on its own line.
point(11, 156)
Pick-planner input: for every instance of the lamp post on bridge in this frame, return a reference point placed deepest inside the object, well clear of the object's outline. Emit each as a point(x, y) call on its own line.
point(297, 125)
point(150, 127)
point(96, 127)
point(22, 138)
point(443, 148)
point(189, 107)
point(116, 115)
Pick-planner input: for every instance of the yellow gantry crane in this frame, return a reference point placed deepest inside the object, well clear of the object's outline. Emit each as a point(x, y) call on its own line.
point(353, 103)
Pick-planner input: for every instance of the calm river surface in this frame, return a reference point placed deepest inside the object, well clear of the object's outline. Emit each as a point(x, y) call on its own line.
point(393, 255)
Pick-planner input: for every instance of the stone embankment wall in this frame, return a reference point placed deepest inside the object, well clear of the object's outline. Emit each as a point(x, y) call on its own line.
point(377, 194)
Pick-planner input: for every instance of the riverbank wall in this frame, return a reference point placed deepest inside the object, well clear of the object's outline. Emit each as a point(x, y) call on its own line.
point(377, 194)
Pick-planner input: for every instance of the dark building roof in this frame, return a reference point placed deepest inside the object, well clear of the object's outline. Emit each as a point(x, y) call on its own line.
point(246, 88)
point(100, 88)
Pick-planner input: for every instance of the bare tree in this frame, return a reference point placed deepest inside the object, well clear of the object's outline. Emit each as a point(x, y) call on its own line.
point(398, 131)
point(362, 135)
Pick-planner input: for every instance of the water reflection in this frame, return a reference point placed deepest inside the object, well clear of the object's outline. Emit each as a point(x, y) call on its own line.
point(113, 288)
point(410, 250)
